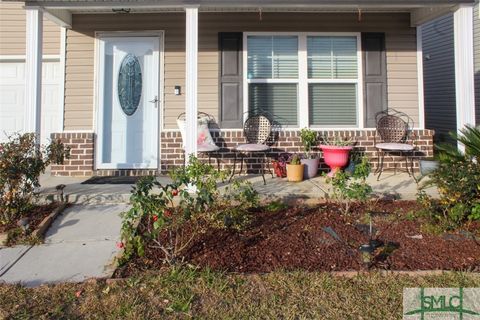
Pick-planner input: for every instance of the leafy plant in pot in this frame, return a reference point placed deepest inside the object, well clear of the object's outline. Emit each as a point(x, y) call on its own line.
point(309, 138)
point(295, 169)
point(280, 165)
point(336, 151)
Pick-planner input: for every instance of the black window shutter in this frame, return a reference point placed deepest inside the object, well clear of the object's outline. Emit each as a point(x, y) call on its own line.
point(230, 80)
point(374, 76)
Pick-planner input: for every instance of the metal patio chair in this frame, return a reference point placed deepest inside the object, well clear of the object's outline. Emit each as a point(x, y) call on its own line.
point(257, 130)
point(207, 148)
point(394, 133)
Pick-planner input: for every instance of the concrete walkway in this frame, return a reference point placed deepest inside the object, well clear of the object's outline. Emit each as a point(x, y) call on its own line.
point(400, 186)
point(80, 244)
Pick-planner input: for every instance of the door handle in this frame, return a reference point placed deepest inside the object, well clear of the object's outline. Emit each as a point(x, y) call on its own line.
point(155, 101)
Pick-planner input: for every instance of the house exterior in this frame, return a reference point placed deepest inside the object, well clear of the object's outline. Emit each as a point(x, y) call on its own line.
point(439, 74)
point(131, 67)
point(12, 73)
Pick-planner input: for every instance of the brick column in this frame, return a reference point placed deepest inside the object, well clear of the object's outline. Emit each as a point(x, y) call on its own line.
point(81, 154)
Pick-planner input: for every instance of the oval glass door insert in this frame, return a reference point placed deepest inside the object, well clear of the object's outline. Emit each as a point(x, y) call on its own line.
point(130, 84)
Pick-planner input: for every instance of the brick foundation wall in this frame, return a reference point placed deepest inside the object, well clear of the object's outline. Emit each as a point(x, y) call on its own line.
point(81, 154)
point(82, 151)
point(287, 141)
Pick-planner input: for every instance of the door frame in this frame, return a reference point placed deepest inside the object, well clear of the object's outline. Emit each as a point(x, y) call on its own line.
point(98, 91)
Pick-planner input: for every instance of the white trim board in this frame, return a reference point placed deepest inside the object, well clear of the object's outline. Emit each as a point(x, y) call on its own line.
point(191, 81)
point(464, 67)
point(63, 53)
point(33, 72)
point(420, 83)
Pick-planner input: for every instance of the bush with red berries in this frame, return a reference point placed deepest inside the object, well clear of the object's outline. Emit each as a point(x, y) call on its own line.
point(21, 163)
point(160, 213)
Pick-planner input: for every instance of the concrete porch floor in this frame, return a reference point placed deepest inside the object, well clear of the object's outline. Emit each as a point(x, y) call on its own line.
point(400, 186)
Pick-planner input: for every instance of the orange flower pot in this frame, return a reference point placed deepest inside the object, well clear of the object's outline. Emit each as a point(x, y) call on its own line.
point(295, 172)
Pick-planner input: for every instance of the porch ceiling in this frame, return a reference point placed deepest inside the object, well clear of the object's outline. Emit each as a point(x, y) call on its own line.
point(60, 11)
point(215, 5)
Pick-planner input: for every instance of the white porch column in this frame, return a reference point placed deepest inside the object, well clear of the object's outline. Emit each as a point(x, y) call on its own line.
point(191, 81)
point(464, 67)
point(33, 71)
point(421, 94)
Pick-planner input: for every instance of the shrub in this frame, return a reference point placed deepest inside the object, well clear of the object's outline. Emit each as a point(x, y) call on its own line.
point(21, 163)
point(168, 217)
point(337, 140)
point(351, 187)
point(309, 138)
point(457, 179)
point(470, 138)
point(295, 159)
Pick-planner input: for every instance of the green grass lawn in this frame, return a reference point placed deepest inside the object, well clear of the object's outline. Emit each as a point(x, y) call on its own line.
point(185, 293)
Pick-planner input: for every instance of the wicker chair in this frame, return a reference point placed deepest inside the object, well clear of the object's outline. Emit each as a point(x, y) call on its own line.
point(393, 131)
point(257, 130)
point(207, 148)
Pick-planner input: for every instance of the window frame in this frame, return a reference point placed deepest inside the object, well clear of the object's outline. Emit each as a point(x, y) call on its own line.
point(303, 81)
point(247, 81)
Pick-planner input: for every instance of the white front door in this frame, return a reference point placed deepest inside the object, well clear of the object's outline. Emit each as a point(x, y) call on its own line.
point(128, 106)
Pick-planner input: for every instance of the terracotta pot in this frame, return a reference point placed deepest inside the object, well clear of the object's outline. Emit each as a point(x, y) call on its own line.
point(310, 169)
point(335, 157)
point(295, 172)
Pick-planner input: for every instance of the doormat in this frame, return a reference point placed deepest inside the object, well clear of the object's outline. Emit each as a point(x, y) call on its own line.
point(112, 180)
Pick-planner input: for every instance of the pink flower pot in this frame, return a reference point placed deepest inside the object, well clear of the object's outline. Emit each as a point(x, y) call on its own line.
point(335, 157)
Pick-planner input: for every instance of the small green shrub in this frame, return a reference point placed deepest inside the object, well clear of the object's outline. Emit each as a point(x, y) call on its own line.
point(458, 184)
point(457, 179)
point(169, 217)
point(337, 140)
point(21, 163)
point(275, 206)
point(295, 160)
point(308, 138)
point(351, 187)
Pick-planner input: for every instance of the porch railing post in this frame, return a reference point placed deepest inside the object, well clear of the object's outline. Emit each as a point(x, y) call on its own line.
point(464, 66)
point(191, 83)
point(33, 72)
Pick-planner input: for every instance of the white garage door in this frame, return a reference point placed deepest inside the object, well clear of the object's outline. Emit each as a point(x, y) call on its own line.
point(12, 99)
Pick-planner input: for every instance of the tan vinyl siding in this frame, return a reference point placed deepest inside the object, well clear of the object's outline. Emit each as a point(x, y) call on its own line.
point(12, 31)
point(79, 110)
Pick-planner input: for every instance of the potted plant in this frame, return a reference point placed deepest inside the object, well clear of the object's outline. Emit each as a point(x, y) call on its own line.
point(295, 169)
point(280, 165)
point(309, 137)
point(336, 151)
point(428, 165)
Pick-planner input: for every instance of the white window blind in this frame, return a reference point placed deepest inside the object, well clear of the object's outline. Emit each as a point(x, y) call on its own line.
point(272, 57)
point(279, 99)
point(273, 77)
point(332, 104)
point(332, 57)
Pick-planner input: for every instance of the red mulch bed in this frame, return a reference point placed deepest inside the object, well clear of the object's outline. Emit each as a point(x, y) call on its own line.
point(35, 215)
point(296, 238)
